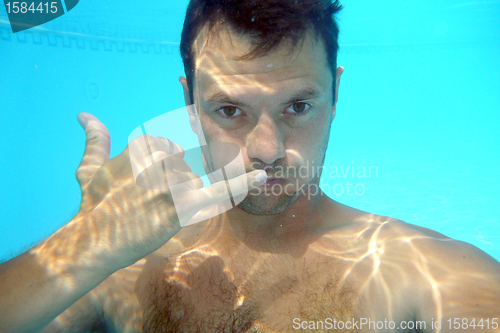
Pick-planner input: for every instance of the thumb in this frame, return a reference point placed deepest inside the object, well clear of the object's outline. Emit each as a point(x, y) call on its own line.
point(97, 147)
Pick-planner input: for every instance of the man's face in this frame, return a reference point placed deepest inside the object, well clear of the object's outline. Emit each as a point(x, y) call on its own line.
point(277, 108)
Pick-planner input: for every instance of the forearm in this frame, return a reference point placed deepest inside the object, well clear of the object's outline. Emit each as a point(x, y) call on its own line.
point(38, 285)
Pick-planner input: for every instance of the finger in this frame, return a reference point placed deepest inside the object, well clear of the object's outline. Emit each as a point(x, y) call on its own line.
point(175, 177)
point(170, 147)
point(171, 162)
point(97, 147)
point(189, 179)
point(198, 205)
point(148, 149)
point(166, 169)
point(150, 156)
point(240, 185)
point(195, 183)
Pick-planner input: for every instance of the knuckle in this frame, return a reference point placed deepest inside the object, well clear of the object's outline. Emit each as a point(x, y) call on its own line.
point(141, 141)
point(221, 189)
point(241, 185)
point(96, 133)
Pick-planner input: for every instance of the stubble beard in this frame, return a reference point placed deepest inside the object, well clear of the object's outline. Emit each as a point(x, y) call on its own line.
point(268, 203)
point(265, 203)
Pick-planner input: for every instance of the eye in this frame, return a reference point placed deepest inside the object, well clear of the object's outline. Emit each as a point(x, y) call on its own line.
point(298, 108)
point(228, 111)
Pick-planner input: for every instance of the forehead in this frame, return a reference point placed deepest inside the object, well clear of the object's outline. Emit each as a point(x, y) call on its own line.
point(219, 63)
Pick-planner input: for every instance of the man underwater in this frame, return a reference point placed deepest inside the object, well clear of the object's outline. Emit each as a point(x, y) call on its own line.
point(263, 76)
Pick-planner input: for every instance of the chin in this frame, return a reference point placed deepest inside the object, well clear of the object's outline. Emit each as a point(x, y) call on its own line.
point(267, 205)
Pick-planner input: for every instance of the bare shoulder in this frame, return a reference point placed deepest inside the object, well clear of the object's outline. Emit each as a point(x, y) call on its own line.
point(432, 275)
point(397, 239)
point(433, 254)
point(440, 254)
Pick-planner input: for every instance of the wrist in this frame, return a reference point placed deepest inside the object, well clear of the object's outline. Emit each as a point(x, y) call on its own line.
point(73, 253)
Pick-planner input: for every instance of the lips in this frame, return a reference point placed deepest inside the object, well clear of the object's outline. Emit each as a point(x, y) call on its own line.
point(274, 181)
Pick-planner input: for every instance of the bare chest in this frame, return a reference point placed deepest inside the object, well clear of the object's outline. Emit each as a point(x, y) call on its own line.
point(206, 293)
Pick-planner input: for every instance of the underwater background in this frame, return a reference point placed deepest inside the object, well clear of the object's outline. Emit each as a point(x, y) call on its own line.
point(419, 107)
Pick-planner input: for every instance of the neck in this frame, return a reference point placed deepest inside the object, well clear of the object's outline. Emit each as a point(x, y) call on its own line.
point(294, 228)
point(291, 231)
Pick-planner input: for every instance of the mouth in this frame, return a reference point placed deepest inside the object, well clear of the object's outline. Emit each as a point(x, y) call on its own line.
point(273, 181)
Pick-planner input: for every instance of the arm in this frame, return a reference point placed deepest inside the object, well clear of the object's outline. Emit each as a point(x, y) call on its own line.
point(118, 224)
point(83, 316)
point(41, 283)
point(38, 285)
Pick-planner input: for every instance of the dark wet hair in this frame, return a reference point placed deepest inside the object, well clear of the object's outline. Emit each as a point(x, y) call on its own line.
point(267, 22)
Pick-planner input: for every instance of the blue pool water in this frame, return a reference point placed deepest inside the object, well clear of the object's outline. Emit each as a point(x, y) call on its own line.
point(419, 104)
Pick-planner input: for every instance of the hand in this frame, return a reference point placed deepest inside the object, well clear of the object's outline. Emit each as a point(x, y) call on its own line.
point(127, 209)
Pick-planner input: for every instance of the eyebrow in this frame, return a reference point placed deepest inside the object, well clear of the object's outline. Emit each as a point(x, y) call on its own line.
point(305, 94)
point(222, 98)
point(301, 95)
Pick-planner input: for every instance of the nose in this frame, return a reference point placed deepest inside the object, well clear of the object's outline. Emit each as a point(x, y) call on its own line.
point(266, 142)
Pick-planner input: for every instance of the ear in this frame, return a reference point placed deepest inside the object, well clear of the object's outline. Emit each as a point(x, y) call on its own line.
point(189, 106)
point(340, 70)
point(185, 89)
